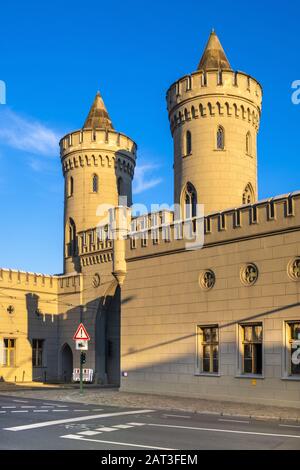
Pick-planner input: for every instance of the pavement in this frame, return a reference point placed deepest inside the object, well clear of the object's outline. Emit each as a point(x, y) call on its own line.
point(47, 424)
point(113, 397)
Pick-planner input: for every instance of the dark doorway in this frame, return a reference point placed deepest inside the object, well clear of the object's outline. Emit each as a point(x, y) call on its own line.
point(66, 363)
point(108, 340)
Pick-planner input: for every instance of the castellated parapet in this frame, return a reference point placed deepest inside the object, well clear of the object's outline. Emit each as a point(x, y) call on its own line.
point(98, 166)
point(214, 119)
point(280, 214)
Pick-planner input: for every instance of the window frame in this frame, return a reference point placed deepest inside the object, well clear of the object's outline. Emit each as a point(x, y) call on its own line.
point(37, 349)
point(188, 150)
point(95, 183)
point(220, 130)
point(287, 351)
point(241, 352)
point(249, 144)
point(6, 355)
point(200, 345)
point(70, 186)
point(189, 209)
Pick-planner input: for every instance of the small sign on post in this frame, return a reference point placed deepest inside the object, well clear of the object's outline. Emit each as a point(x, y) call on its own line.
point(81, 338)
point(82, 344)
point(81, 333)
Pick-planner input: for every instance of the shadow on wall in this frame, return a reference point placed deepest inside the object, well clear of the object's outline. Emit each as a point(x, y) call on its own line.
point(55, 356)
point(180, 374)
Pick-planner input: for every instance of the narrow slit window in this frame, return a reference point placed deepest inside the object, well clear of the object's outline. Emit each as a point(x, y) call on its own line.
point(95, 184)
point(220, 138)
point(188, 143)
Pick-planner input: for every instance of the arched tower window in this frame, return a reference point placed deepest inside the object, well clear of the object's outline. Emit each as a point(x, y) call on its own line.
point(72, 238)
point(189, 200)
point(95, 183)
point(248, 144)
point(70, 186)
point(188, 143)
point(248, 194)
point(220, 138)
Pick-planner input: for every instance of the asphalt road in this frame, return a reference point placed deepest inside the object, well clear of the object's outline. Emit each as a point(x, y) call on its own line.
point(29, 424)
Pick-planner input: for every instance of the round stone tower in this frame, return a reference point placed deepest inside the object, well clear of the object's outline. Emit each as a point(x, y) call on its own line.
point(98, 166)
point(214, 116)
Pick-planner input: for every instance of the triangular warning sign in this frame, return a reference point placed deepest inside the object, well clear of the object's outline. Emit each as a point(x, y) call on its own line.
point(81, 333)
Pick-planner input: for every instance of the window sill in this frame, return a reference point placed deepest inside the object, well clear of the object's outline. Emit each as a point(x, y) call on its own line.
point(250, 376)
point(292, 378)
point(207, 374)
point(187, 155)
point(220, 150)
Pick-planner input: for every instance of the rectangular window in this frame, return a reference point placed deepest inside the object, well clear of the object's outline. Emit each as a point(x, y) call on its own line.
point(252, 348)
point(208, 349)
point(9, 352)
point(293, 348)
point(37, 352)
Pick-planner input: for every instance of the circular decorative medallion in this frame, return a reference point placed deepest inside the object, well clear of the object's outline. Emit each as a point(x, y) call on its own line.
point(10, 309)
point(207, 279)
point(294, 269)
point(249, 274)
point(96, 280)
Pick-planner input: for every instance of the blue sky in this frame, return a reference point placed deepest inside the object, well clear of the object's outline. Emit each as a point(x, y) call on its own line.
point(54, 56)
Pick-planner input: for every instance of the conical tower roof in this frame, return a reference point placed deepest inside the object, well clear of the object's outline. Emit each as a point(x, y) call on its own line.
point(98, 117)
point(214, 56)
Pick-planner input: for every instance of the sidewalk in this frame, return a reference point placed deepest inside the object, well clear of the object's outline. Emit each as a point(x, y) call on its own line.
point(112, 397)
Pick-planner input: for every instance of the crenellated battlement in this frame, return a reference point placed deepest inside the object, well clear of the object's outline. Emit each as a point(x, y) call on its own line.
point(214, 93)
point(94, 246)
point(227, 82)
point(24, 280)
point(15, 278)
point(89, 139)
point(260, 219)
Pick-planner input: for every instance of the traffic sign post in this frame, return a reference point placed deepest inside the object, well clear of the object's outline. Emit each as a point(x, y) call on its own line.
point(81, 337)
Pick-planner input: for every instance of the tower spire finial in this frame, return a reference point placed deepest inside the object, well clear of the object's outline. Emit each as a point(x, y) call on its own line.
point(214, 56)
point(98, 117)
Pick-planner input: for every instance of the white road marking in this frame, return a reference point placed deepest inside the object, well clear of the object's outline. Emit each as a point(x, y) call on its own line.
point(47, 406)
point(177, 416)
point(2, 411)
point(136, 424)
point(81, 410)
point(89, 433)
point(8, 407)
point(28, 406)
point(20, 411)
point(57, 411)
point(97, 409)
point(126, 444)
point(123, 426)
point(106, 429)
point(233, 421)
point(20, 401)
point(293, 436)
point(40, 411)
point(73, 420)
point(289, 426)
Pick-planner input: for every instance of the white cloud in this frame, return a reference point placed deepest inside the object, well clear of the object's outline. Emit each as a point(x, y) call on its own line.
point(142, 178)
point(27, 134)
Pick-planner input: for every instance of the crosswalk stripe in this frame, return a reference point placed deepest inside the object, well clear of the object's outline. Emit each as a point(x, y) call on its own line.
point(74, 420)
